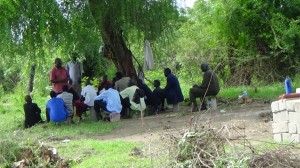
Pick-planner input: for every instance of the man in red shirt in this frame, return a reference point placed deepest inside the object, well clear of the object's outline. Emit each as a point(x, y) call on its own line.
point(59, 76)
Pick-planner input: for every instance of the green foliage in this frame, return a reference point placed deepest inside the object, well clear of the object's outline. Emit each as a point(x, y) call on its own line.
point(9, 152)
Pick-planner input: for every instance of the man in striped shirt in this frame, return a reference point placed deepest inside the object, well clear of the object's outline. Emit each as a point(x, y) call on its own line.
point(68, 100)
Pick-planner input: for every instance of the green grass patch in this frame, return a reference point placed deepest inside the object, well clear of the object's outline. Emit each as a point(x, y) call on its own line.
point(95, 153)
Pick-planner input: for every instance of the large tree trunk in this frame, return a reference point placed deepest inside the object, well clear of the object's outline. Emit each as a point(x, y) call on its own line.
point(121, 55)
point(111, 34)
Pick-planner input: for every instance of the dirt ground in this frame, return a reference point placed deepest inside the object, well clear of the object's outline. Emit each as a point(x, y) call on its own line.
point(246, 119)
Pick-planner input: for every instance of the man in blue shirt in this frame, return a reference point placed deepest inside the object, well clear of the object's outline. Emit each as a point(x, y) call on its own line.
point(55, 109)
point(108, 101)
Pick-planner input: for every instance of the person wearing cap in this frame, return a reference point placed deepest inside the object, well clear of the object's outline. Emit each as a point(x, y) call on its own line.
point(209, 87)
point(32, 113)
point(109, 101)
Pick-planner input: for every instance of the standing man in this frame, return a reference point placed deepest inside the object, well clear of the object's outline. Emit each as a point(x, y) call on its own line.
point(75, 70)
point(209, 87)
point(173, 90)
point(59, 76)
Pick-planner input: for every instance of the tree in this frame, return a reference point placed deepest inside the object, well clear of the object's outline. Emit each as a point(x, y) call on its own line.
point(77, 25)
point(117, 19)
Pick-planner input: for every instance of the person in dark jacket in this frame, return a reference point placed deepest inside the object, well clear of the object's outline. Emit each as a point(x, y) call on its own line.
point(209, 87)
point(158, 97)
point(147, 92)
point(32, 113)
point(172, 89)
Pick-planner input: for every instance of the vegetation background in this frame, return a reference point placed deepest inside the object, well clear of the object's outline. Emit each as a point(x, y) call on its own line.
point(251, 45)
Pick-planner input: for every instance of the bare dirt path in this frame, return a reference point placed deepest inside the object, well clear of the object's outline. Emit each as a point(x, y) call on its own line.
point(245, 118)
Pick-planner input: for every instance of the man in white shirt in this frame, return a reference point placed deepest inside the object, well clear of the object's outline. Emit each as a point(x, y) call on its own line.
point(89, 93)
point(75, 70)
point(68, 100)
point(108, 101)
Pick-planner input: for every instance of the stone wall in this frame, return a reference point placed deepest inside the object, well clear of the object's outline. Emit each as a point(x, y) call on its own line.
point(286, 120)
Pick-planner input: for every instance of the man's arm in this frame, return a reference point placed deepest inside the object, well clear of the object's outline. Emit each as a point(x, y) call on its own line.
point(206, 79)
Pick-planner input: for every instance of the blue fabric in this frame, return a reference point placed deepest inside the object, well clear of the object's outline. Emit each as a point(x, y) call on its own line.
point(173, 90)
point(58, 111)
point(112, 99)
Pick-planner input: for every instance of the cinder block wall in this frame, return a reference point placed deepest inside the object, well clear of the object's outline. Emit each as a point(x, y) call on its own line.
point(286, 120)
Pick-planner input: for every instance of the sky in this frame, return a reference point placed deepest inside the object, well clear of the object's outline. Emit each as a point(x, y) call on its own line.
point(186, 3)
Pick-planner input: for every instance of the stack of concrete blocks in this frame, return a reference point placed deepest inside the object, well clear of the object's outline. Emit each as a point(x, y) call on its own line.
point(286, 120)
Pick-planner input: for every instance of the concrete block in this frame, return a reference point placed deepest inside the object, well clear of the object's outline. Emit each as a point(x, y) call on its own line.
point(281, 116)
point(281, 104)
point(114, 117)
point(294, 117)
point(286, 137)
point(298, 128)
point(292, 128)
point(297, 107)
point(93, 115)
point(280, 127)
point(277, 137)
point(275, 106)
point(290, 104)
point(295, 138)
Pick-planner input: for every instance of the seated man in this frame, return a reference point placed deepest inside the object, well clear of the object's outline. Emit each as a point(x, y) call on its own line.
point(32, 113)
point(102, 84)
point(68, 99)
point(147, 91)
point(173, 90)
point(108, 101)
point(127, 96)
point(55, 109)
point(209, 87)
point(88, 95)
point(158, 97)
point(122, 82)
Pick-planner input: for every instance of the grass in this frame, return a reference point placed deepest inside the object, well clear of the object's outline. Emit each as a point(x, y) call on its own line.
point(84, 148)
point(84, 143)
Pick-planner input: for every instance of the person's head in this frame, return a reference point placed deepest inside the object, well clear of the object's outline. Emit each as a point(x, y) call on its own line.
point(156, 83)
point(130, 83)
point(104, 78)
point(52, 94)
point(107, 85)
point(114, 79)
point(28, 99)
point(139, 82)
point(204, 67)
point(87, 82)
point(73, 56)
point(119, 75)
point(65, 88)
point(58, 62)
point(167, 72)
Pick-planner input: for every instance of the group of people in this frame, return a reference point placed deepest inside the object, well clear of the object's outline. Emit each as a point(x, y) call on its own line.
point(116, 96)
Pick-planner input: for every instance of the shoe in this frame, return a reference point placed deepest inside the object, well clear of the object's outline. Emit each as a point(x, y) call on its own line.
point(195, 109)
point(203, 108)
